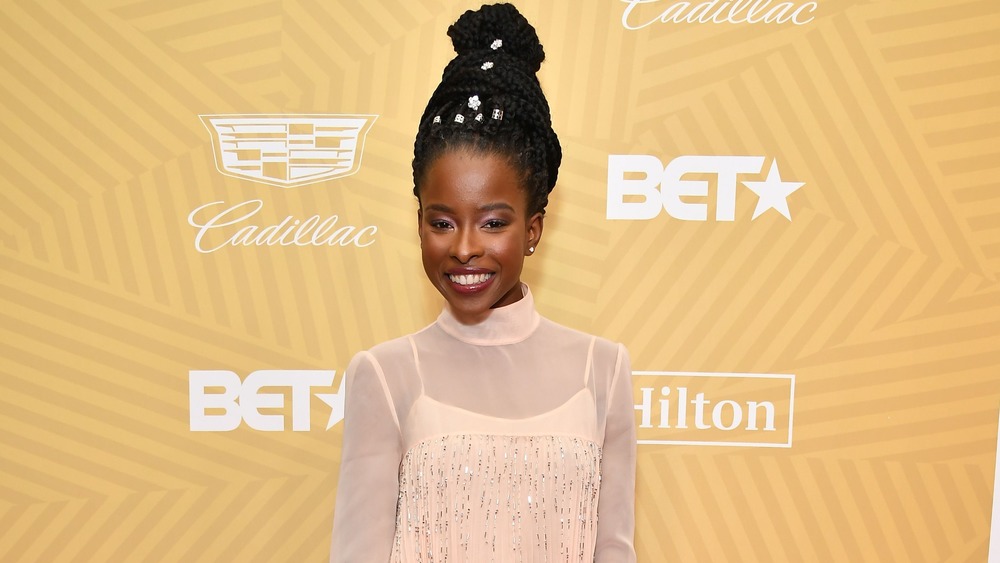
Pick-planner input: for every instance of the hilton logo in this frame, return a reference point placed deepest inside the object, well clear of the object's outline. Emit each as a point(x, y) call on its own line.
point(288, 150)
point(714, 409)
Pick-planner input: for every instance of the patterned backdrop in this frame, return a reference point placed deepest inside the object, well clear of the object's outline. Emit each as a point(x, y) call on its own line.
point(788, 211)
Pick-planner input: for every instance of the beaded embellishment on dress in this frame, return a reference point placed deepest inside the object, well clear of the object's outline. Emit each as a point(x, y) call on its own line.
point(495, 498)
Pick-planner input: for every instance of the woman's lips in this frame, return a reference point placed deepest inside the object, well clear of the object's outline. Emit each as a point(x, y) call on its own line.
point(470, 283)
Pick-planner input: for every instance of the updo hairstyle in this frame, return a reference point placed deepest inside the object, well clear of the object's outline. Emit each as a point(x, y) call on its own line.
point(489, 101)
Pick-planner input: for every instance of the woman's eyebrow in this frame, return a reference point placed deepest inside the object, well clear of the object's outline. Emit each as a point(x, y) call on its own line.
point(439, 207)
point(496, 206)
point(488, 207)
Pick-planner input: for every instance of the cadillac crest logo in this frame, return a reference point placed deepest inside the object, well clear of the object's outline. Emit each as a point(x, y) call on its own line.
point(288, 150)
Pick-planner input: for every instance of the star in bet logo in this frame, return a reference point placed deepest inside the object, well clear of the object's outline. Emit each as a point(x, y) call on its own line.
point(773, 193)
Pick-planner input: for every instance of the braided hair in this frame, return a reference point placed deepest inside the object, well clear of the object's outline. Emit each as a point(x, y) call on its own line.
point(489, 101)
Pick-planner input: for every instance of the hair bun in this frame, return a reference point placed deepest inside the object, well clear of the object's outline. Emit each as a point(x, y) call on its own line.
point(477, 31)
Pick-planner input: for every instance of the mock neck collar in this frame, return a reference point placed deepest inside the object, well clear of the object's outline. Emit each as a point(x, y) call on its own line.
point(504, 325)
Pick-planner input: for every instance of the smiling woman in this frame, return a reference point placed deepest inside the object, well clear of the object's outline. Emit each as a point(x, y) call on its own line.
point(493, 434)
point(475, 232)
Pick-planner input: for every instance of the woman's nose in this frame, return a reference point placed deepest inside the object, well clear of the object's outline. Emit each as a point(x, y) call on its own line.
point(467, 245)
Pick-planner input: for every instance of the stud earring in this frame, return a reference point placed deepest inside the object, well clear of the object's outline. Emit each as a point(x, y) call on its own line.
point(531, 249)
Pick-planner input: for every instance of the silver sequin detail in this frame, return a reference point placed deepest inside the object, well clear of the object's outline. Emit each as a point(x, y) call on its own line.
point(497, 114)
point(479, 117)
point(459, 118)
point(437, 119)
point(498, 498)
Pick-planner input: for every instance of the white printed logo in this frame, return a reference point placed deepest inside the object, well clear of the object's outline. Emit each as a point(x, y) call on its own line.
point(242, 401)
point(714, 409)
point(230, 227)
point(643, 13)
point(624, 187)
point(288, 150)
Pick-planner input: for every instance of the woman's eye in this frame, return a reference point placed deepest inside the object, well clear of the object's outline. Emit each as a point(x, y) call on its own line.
point(495, 224)
point(438, 224)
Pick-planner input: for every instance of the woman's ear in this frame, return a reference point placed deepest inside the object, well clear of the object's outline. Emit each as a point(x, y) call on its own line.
point(535, 224)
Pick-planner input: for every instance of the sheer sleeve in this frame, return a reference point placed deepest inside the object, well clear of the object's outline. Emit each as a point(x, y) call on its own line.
point(365, 514)
point(616, 506)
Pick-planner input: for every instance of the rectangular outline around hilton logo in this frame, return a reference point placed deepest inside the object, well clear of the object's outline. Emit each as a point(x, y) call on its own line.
point(994, 555)
point(791, 408)
point(288, 150)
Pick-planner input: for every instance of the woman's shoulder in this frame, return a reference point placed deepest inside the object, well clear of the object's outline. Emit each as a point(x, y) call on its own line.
point(395, 351)
point(562, 336)
point(389, 351)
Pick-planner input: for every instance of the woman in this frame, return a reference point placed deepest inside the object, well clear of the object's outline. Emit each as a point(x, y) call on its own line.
point(492, 434)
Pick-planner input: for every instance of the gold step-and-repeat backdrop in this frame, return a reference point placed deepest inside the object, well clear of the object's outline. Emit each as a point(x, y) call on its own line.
point(788, 211)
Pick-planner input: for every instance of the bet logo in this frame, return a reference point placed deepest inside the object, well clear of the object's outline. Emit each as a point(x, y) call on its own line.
point(219, 401)
point(640, 187)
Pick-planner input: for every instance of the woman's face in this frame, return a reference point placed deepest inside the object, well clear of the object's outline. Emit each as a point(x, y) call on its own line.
point(475, 231)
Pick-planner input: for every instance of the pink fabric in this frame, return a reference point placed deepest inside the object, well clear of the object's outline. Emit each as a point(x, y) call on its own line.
point(509, 440)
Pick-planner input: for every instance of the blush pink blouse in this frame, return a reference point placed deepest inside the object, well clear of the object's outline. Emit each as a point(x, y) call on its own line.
point(512, 440)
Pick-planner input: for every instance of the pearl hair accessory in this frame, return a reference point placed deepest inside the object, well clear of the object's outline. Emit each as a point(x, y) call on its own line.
point(487, 65)
point(474, 102)
point(497, 43)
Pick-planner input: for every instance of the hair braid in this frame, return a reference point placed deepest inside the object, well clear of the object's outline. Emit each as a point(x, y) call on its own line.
point(490, 100)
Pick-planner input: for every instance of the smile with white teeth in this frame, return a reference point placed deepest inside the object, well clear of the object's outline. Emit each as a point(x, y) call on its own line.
point(470, 279)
